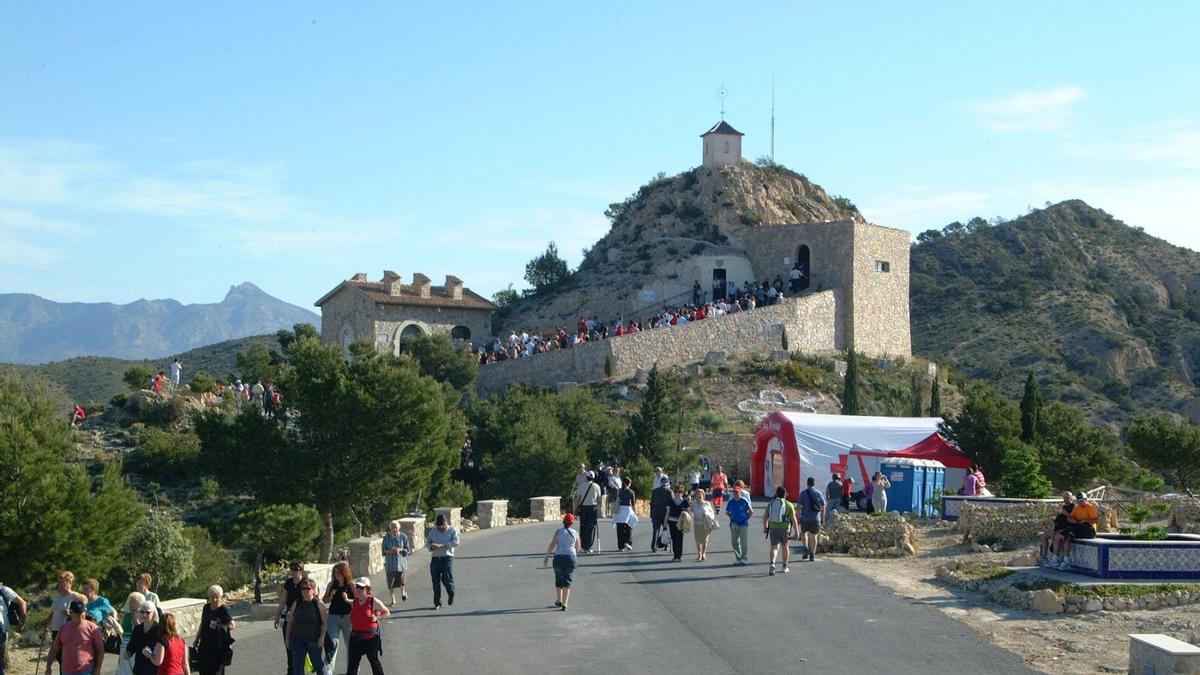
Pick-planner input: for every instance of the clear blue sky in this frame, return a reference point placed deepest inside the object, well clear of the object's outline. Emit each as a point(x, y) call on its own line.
point(174, 149)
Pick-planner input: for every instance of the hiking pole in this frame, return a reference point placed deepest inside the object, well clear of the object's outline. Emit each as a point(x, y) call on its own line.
point(41, 644)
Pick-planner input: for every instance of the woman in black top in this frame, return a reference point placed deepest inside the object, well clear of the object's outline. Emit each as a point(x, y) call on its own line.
point(338, 595)
point(213, 640)
point(625, 500)
point(144, 638)
point(679, 503)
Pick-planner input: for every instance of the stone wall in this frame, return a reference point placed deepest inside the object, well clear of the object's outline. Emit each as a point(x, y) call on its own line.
point(1185, 514)
point(809, 321)
point(389, 320)
point(870, 536)
point(1018, 524)
point(732, 451)
point(879, 300)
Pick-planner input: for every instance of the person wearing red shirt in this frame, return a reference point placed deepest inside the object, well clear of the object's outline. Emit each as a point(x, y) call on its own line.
point(170, 654)
point(719, 482)
point(365, 613)
point(79, 644)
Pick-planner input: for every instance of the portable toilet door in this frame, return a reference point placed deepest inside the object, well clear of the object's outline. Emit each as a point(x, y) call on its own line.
point(905, 481)
point(935, 479)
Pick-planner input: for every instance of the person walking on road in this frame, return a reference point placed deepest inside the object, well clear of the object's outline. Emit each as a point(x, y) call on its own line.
point(213, 640)
point(396, 549)
point(740, 510)
point(306, 626)
point(589, 502)
point(679, 503)
point(660, 498)
point(779, 524)
point(625, 518)
point(79, 643)
point(812, 514)
point(704, 522)
point(365, 613)
point(338, 595)
point(720, 484)
point(14, 605)
point(833, 493)
point(170, 654)
point(443, 539)
point(615, 485)
point(289, 595)
point(564, 546)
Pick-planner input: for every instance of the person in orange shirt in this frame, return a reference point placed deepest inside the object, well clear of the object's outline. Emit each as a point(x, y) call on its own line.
point(719, 483)
point(1081, 524)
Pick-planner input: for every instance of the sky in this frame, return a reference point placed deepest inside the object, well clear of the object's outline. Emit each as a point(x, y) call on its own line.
point(171, 150)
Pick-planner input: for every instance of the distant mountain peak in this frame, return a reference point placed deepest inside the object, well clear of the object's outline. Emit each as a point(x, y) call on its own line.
point(245, 291)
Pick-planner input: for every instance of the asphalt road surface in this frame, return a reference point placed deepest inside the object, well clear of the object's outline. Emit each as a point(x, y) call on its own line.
point(638, 612)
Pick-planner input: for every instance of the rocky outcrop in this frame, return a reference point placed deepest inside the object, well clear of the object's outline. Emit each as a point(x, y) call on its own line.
point(668, 221)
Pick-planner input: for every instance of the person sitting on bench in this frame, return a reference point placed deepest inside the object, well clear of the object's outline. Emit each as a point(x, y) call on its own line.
point(1081, 524)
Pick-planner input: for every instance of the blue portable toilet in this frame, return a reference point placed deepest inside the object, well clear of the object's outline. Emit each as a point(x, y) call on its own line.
point(912, 482)
point(935, 484)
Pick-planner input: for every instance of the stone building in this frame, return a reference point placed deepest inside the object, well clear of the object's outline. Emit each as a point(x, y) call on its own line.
point(388, 311)
point(722, 146)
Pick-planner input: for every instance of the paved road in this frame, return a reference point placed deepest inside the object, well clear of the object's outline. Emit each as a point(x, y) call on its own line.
point(639, 612)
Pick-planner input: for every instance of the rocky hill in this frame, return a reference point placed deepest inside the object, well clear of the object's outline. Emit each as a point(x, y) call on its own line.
point(700, 211)
point(1106, 315)
point(36, 330)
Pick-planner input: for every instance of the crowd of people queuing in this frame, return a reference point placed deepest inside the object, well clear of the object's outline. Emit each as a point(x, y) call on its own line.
point(735, 299)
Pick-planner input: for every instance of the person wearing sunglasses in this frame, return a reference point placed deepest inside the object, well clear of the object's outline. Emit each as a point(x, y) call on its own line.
point(145, 636)
point(365, 612)
point(306, 627)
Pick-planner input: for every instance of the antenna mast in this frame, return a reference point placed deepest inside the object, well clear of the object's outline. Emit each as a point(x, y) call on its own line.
point(722, 93)
point(772, 118)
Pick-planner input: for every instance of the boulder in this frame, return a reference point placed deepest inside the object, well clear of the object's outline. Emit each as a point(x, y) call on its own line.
point(1093, 605)
point(1026, 559)
point(1044, 601)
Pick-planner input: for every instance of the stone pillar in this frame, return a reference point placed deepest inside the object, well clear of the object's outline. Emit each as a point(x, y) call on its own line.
point(492, 513)
point(1156, 653)
point(453, 515)
point(415, 529)
point(187, 613)
point(545, 508)
point(366, 555)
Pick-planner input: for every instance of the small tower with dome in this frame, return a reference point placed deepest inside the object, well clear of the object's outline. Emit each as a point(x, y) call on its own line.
point(722, 146)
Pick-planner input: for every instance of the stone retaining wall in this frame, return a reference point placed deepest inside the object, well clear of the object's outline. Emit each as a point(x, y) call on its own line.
point(1185, 513)
point(1048, 601)
point(869, 536)
point(809, 321)
point(1015, 525)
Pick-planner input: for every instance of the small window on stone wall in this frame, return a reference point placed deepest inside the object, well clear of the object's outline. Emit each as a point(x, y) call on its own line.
point(883, 266)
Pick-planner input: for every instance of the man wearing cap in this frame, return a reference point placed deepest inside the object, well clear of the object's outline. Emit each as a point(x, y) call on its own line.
point(740, 510)
point(589, 501)
point(79, 643)
point(660, 499)
point(442, 541)
point(1081, 524)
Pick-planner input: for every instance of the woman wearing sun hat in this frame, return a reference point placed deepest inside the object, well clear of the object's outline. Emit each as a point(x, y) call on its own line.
point(564, 545)
point(365, 612)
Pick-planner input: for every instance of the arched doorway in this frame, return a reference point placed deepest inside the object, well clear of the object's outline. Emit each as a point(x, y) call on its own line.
point(347, 339)
point(803, 265)
point(460, 334)
point(404, 334)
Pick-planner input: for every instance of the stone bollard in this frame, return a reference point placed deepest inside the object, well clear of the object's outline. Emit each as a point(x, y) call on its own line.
point(545, 508)
point(453, 515)
point(492, 513)
point(415, 529)
point(366, 555)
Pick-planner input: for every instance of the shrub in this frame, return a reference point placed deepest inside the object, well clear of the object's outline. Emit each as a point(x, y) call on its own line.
point(164, 456)
point(212, 564)
point(158, 546)
point(749, 217)
point(117, 401)
point(203, 384)
point(455, 493)
point(137, 377)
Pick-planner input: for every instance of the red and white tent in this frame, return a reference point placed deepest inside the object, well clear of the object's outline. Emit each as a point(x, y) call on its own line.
point(789, 447)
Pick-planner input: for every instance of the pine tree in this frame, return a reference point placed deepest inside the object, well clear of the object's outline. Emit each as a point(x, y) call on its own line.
point(1031, 409)
point(935, 398)
point(917, 390)
point(850, 405)
point(1022, 471)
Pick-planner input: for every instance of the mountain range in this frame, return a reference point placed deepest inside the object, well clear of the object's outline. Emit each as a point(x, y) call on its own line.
point(36, 330)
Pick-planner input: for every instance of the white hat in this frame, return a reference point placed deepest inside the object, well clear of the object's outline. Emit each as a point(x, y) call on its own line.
point(363, 582)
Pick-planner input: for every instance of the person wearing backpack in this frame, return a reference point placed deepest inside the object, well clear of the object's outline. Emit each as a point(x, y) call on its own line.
point(13, 616)
point(780, 525)
point(812, 514)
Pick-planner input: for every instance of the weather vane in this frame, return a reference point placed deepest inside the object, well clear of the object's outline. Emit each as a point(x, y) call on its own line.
point(722, 93)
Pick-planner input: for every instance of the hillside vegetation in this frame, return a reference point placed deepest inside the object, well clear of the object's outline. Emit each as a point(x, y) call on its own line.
point(1107, 316)
point(97, 378)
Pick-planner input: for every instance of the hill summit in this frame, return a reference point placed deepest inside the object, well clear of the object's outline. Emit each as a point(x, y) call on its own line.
point(643, 262)
point(36, 330)
point(1107, 316)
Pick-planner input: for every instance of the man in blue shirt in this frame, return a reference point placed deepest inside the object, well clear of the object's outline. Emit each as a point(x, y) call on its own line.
point(739, 510)
point(812, 514)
